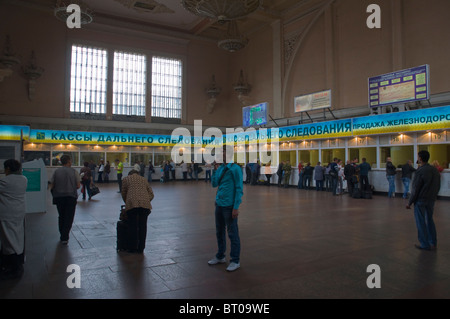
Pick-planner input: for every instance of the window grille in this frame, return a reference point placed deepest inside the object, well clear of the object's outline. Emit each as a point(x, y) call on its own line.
point(129, 85)
point(166, 87)
point(88, 79)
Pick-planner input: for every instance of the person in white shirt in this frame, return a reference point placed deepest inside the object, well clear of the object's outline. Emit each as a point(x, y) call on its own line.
point(12, 216)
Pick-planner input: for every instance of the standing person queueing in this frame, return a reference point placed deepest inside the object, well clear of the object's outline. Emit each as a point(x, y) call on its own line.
point(426, 186)
point(390, 175)
point(287, 169)
point(364, 169)
point(64, 184)
point(228, 179)
point(137, 195)
point(119, 168)
point(86, 178)
point(280, 173)
point(407, 171)
point(12, 217)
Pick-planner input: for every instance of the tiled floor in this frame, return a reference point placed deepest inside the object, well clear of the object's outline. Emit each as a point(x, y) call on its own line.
point(295, 244)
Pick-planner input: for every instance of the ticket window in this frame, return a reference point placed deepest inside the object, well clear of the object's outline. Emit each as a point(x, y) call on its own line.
point(369, 153)
point(439, 153)
point(309, 156)
point(328, 155)
point(93, 157)
point(161, 158)
point(398, 154)
point(121, 156)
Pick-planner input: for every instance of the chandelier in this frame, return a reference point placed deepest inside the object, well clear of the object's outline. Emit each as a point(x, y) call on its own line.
point(233, 41)
point(221, 10)
point(86, 14)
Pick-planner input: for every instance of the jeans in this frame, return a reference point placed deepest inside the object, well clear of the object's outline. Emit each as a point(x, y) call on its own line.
point(423, 213)
point(225, 222)
point(66, 213)
point(119, 181)
point(391, 180)
point(319, 185)
point(207, 175)
point(406, 181)
point(334, 182)
point(86, 188)
point(300, 181)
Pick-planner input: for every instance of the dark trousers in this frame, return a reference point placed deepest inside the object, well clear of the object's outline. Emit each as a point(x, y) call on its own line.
point(350, 185)
point(364, 179)
point(86, 188)
point(307, 179)
point(119, 180)
point(137, 228)
point(66, 213)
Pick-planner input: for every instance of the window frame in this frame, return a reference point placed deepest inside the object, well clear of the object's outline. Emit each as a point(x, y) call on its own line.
point(111, 48)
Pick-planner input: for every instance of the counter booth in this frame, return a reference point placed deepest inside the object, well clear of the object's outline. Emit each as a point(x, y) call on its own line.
point(398, 135)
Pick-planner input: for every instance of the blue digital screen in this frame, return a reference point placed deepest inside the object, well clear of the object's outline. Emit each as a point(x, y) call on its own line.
point(254, 115)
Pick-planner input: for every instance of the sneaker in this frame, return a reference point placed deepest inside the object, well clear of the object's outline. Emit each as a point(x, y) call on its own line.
point(216, 261)
point(64, 242)
point(233, 266)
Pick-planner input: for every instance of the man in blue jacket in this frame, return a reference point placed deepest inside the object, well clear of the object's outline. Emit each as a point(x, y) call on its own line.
point(228, 178)
point(364, 169)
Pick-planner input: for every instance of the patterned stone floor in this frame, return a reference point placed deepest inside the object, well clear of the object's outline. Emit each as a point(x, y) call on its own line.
point(295, 244)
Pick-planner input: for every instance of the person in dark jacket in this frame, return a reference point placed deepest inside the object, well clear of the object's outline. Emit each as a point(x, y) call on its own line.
point(280, 173)
point(425, 188)
point(364, 169)
point(407, 170)
point(307, 175)
point(390, 175)
point(349, 173)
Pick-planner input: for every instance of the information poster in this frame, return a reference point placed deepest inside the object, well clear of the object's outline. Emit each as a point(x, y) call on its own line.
point(314, 101)
point(400, 87)
point(33, 176)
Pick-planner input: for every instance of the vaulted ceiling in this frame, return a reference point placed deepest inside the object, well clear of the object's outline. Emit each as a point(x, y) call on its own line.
point(171, 16)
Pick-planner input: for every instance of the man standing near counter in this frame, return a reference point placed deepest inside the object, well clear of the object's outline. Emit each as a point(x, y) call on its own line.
point(119, 168)
point(426, 186)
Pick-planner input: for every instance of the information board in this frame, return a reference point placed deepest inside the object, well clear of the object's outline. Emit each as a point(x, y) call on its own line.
point(314, 101)
point(400, 87)
point(254, 115)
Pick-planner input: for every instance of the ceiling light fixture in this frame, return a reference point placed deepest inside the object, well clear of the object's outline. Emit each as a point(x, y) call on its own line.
point(222, 10)
point(233, 41)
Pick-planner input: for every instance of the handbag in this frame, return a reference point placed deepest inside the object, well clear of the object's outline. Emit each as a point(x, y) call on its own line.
point(123, 214)
point(94, 190)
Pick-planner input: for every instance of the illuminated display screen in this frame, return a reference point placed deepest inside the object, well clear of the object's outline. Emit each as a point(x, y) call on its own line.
point(400, 87)
point(254, 115)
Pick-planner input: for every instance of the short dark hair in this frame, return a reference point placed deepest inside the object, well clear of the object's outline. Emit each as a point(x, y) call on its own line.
point(86, 164)
point(65, 159)
point(133, 171)
point(424, 156)
point(13, 165)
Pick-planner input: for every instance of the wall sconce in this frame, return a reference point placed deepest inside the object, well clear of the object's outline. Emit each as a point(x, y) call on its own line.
point(8, 59)
point(32, 72)
point(212, 91)
point(243, 88)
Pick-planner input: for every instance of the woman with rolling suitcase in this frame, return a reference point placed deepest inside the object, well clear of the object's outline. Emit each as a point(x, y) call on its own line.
point(137, 195)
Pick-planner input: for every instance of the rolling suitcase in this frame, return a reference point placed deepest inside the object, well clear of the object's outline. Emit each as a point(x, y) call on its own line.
point(122, 231)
